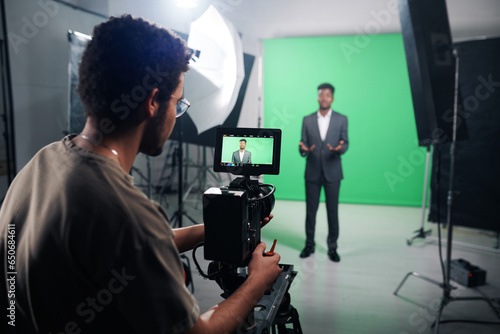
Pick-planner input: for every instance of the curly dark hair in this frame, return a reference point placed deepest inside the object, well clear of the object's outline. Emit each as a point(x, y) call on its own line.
point(127, 58)
point(327, 86)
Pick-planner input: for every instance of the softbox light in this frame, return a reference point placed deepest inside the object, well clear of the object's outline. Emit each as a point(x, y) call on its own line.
point(216, 71)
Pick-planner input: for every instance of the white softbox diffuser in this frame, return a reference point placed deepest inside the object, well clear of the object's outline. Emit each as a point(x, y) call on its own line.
point(214, 79)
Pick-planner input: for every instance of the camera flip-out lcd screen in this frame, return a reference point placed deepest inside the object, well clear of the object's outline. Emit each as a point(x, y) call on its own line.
point(247, 151)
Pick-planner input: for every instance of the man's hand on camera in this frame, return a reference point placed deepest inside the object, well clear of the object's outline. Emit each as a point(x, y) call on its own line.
point(266, 220)
point(264, 270)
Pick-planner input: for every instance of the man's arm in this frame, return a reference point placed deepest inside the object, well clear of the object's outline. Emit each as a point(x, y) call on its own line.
point(226, 316)
point(187, 237)
point(343, 137)
point(304, 148)
point(344, 141)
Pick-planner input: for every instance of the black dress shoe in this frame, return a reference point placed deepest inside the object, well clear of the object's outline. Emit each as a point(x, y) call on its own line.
point(332, 254)
point(306, 252)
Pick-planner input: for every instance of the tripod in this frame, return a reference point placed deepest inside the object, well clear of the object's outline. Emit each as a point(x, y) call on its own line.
point(420, 233)
point(177, 216)
point(446, 297)
point(274, 311)
point(287, 314)
point(199, 180)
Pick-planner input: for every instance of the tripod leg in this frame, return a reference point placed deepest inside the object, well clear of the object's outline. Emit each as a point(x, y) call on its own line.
point(438, 315)
point(191, 219)
point(414, 273)
point(296, 323)
point(282, 329)
point(488, 300)
point(420, 232)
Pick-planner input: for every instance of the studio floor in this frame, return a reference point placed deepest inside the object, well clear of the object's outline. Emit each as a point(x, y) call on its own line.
point(356, 295)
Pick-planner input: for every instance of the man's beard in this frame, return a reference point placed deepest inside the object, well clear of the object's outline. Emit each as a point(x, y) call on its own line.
point(324, 106)
point(152, 143)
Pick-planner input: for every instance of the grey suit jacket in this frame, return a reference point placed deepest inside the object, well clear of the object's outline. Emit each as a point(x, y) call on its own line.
point(247, 157)
point(321, 159)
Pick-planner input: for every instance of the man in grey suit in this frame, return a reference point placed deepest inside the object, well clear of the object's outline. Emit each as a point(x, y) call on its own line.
point(324, 140)
point(242, 155)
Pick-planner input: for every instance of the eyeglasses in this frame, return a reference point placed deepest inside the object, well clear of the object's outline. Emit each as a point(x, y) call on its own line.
point(181, 107)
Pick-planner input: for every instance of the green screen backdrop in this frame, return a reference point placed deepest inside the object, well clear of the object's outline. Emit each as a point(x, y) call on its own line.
point(384, 164)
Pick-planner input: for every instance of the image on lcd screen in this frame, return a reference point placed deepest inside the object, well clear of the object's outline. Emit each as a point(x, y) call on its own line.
point(247, 151)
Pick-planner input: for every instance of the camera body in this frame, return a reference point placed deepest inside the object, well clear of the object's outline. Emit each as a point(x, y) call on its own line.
point(233, 214)
point(232, 217)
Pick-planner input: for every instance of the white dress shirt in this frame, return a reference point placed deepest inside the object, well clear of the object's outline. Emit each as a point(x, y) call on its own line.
point(323, 123)
point(241, 155)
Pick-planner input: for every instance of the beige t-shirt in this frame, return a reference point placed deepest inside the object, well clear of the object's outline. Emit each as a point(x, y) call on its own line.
point(92, 251)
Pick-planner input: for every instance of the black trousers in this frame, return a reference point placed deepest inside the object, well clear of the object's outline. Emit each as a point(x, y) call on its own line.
point(313, 190)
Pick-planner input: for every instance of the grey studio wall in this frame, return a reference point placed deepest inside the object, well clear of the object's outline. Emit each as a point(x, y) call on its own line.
point(38, 49)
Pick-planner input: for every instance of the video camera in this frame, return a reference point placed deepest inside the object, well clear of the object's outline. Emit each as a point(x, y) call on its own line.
point(232, 215)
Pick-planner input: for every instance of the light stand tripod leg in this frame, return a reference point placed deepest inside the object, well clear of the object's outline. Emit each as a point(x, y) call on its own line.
point(420, 233)
point(414, 273)
point(447, 299)
point(190, 218)
point(182, 197)
point(442, 304)
point(177, 216)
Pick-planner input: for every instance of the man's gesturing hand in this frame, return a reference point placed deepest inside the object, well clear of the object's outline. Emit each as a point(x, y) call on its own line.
point(305, 148)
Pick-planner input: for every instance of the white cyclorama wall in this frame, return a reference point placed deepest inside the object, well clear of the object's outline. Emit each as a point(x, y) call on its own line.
point(38, 49)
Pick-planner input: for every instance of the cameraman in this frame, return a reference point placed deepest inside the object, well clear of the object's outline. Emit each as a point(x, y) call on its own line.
point(94, 255)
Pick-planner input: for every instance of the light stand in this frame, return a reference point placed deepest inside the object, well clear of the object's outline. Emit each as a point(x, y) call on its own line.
point(421, 233)
point(447, 298)
point(204, 170)
point(177, 216)
point(201, 173)
point(447, 288)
